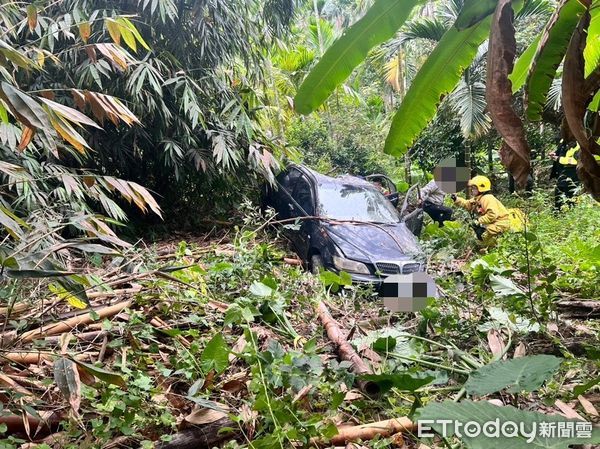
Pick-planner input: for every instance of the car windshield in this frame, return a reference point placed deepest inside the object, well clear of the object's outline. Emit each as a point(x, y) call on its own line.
point(355, 203)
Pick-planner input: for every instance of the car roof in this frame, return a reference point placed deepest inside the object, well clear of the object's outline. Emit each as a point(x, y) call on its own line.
point(324, 180)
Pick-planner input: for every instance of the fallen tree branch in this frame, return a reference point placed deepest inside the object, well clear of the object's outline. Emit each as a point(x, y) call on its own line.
point(345, 349)
point(579, 308)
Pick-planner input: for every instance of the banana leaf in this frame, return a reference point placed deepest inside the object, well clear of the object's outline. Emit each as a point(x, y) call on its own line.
point(379, 24)
point(551, 51)
point(436, 78)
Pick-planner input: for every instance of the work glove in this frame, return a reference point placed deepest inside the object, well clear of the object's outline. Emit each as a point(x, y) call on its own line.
point(453, 197)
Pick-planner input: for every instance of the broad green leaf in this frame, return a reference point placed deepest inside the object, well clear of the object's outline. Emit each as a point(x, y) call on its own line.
point(523, 64)
point(384, 344)
point(215, 355)
point(505, 287)
point(595, 103)
point(379, 24)
point(580, 389)
point(473, 12)
point(102, 374)
point(260, 289)
point(501, 319)
point(591, 53)
point(401, 381)
point(551, 51)
point(507, 417)
point(345, 278)
point(516, 375)
point(67, 379)
point(438, 76)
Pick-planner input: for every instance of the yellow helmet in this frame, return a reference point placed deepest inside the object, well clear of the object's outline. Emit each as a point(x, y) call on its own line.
point(482, 183)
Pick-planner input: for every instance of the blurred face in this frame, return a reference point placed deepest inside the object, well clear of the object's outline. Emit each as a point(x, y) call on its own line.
point(474, 190)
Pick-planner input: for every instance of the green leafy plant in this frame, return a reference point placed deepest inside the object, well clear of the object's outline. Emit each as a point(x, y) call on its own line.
point(517, 375)
point(483, 412)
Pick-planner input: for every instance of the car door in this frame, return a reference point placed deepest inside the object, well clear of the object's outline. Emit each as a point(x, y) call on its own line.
point(304, 207)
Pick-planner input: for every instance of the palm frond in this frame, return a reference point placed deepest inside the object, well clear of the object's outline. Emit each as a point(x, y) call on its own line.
point(468, 100)
point(554, 101)
point(534, 10)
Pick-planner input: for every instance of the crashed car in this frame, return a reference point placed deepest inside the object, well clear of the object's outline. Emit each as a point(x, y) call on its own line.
point(343, 224)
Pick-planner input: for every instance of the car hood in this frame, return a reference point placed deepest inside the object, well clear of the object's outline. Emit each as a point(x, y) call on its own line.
point(369, 242)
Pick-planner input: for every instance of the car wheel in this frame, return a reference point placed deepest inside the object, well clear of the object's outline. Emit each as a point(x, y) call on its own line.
point(316, 263)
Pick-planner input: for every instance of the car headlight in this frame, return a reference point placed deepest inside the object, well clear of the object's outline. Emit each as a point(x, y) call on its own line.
point(350, 265)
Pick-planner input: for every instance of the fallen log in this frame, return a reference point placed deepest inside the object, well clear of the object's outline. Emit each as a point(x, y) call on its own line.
point(345, 349)
point(579, 308)
point(71, 323)
point(203, 437)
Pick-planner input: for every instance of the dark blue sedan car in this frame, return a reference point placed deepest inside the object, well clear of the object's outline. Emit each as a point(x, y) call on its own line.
point(343, 224)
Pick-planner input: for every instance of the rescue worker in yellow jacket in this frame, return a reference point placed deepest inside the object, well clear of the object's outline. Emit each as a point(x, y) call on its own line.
point(493, 217)
point(565, 172)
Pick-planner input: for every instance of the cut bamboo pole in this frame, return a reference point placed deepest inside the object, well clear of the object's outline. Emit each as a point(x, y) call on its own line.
point(114, 293)
point(25, 358)
point(13, 385)
point(345, 349)
point(71, 323)
point(14, 310)
point(365, 432)
point(39, 427)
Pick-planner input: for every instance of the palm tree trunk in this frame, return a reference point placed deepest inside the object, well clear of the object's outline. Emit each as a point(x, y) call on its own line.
point(490, 157)
point(468, 160)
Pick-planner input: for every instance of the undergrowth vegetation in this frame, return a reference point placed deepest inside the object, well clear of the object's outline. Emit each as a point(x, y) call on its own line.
point(223, 331)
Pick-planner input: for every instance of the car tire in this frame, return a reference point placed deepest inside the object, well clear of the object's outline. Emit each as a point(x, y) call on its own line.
point(316, 263)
